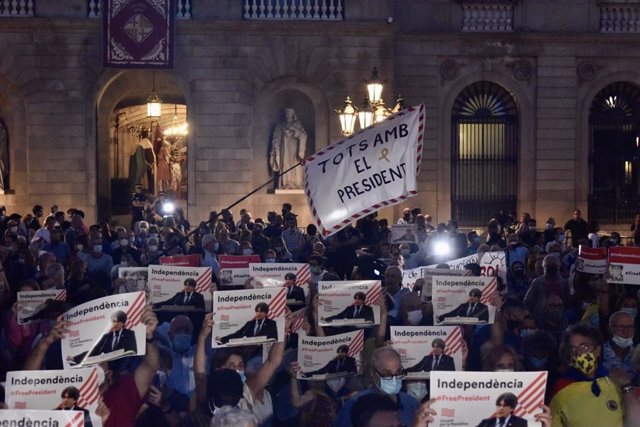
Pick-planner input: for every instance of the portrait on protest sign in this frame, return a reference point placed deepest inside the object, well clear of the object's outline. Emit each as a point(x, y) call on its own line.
point(403, 233)
point(34, 306)
point(180, 288)
point(464, 300)
point(330, 357)
point(136, 279)
point(104, 329)
point(485, 399)
point(429, 273)
point(624, 265)
point(252, 316)
point(428, 348)
point(275, 274)
point(75, 389)
point(234, 269)
point(352, 303)
point(591, 260)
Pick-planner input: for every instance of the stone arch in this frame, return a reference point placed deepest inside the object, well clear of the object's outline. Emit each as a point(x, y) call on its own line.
point(130, 87)
point(13, 114)
point(523, 98)
point(312, 108)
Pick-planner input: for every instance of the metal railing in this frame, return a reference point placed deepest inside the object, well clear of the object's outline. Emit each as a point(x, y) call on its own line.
point(183, 9)
point(318, 10)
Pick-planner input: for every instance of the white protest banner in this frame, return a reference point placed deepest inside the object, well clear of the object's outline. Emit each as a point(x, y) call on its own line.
point(40, 305)
point(247, 317)
point(377, 167)
point(411, 276)
point(591, 260)
point(136, 279)
point(234, 269)
point(429, 273)
point(428, 348)
point(43, 389)
point(624, 265)
point(272, 274)
point(464, 300)
point(168, 290)
point(351, 302)
point(36, 418)
point(469, 399)
point(104, 329)
point(330, 357)
point(458, 263)
point(494, 264)
point(402, 233)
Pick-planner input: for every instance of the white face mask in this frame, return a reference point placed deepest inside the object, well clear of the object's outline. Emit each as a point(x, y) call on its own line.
point(417, 390)
point(80, 247)
point(97, 249)
point(153, 248)
point(247, 251)
point(414, 317)
point(336, 384)
point(622, 342)
point(124, 242)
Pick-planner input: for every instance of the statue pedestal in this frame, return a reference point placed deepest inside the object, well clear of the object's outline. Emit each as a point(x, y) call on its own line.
point(296, 191)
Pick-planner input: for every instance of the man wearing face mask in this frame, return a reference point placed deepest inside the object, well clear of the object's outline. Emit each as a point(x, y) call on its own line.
point(618, 350)
point(411, 310)
point(211, 246)
point(585, 395)
point(98, 261)
point(181, 377)
point(386, 377)
point(578, 227)
point(393, 286)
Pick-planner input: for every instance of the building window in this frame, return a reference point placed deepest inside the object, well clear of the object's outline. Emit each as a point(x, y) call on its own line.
point(614, 155)
point(619, 16)
point(484, 132)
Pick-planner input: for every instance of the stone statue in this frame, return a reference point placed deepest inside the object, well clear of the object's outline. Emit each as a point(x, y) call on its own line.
point(288, 147)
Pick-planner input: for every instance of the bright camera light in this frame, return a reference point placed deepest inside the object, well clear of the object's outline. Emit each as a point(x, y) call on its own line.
point(169, 208)
point(442, 248)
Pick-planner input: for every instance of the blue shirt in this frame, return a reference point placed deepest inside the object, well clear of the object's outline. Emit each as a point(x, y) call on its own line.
point(407, 408)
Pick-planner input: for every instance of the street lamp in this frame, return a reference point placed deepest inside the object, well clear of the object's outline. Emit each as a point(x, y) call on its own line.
point(154, 103)
point(372, 109)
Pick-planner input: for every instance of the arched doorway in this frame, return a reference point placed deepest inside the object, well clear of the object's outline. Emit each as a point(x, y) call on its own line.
point(122, 160)
point(614, 153)
point(484, 157)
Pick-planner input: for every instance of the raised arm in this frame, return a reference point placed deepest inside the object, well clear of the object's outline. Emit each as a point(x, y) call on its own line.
point(35, 359)
point(259, 381)
point(145, 373)
point(200, 358)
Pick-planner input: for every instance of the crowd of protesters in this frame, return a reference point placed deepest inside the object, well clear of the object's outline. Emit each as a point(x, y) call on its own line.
point(550, 317)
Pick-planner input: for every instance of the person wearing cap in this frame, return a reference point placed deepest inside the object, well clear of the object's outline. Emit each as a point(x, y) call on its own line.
point(259, 326)
point(436, 360)
point(295, 294)
point(187, 297)
point(472, 308)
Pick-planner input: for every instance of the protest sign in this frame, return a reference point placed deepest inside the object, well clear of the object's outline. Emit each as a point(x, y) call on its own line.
point(167, 284)
point(458, 263)
point(192, 260)
point(43, 389)
point(377, 167)
point(40, 305)
point(402, 233)
point(234, 269)
point(464, 300)
point(251, 316)
point(428, 348)
point(273, 274)
point(330, 357)
point(136, 279)
point(494, 264)
point(469, 399)
point(591, 260)
point(33, 418)
point(624, 265)
point(350, 303)
point(104, 329)
point(411, 276)
point(429, 273)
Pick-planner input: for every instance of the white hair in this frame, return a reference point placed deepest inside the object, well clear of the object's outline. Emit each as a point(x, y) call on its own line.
point(228, 416)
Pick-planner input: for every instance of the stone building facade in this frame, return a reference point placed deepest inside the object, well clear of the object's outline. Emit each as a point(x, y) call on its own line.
point(237, 67)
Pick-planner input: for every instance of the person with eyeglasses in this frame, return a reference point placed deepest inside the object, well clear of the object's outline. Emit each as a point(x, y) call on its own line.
point(587, 395)
point(386, 377)
point(618, 351)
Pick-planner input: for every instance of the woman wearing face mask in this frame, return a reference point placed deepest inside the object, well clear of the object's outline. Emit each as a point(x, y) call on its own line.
point(150, 252)
point(549, 283)
point(320, 403)
point(280, 248)
point(618, 350)
point(540, 351)
point(502, 358)
point(256, 398)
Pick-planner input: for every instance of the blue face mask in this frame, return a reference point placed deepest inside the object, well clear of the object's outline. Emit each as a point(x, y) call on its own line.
point(181, 342)
point(537, 362)
point(391, 386)
point(633, 312)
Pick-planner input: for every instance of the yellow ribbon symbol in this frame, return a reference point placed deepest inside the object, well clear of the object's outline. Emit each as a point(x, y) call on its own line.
point(383, 154)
